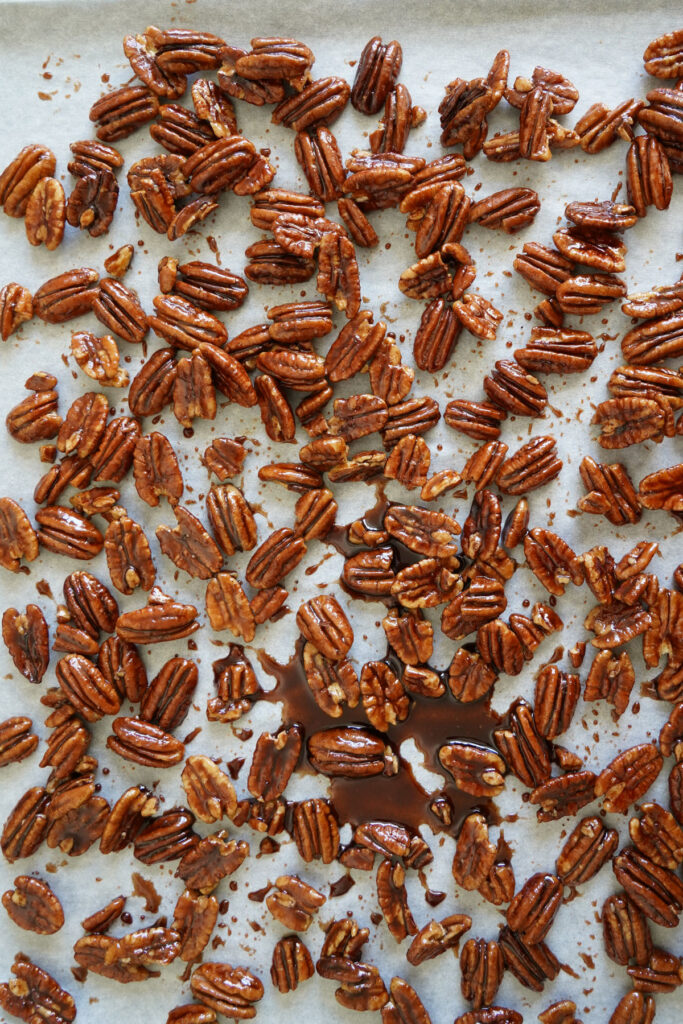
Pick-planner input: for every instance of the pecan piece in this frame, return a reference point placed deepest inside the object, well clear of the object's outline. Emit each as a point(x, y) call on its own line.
point(189, 545)
point(32, 905)
point(655, 890)
point(16, 307)
point(610, 492)
point(436, 337)
point(481, 967)
point(626, 932)
point(26, 637)
point(144, 743)
point(156, 470)
point(531, 965)
point(315, 830)
point(552, 561)
point(99, 358)
point(291, 964)
point(511, 209)
point(66, 296)
point(320, 102)
point(45, 214)
point(564, 795)
point(229, 990)
point(351, 752)
point(34, 995)
point(194, 918)
point(22, 175)
point(378, 68)
point(277, 556)
point(128, 554)
point(16, 740)
point(323, 622)
point(319, 157)
point(162, 619)
point(393, 900)
point(556, 696)
point(436, 937)
point(513, 390)
point(629, 776)
point(533, 465)
point(293, 902)
point(84, 686)
point(477, 770)
point(26, 825)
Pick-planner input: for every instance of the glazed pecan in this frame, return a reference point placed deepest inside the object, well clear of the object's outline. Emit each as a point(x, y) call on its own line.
point(194, 917)
point(443, 220)
point(332, 683)
point(99, 358)
point(625, 930)
point(564, 795)
point(360, 984)
point(16, 740)
point(156, 470)
point(293, 902)
point(480, 420)
point(525, 750)
point(315, 830)
point(663, 57)
point(409, 462)
point(436, 337)
point(323, 622)
point(65, 532)
point(511, 209)
point(33, 994)
point(16, 307)
point(210, 287)
point(183, 325)
point(393, 900)
point(552, 561)
point(513, 390)
point(610, 492)
point(655, 890)
point(585, 851)
point(531, 965)
point(224, 457)
point(611, 678)
point(556, 696)
point(26, 825)
point(533, 465)
point(338, 278)
point(46, 214)
point(277, 556)
point(383, 695)
point(152, 387)
point(291, 964)
point(129, 558)
point(599, 126)
point(658, 836)
point(22, 175)
point(320, 159)
point(564, 94)
point(475, 854)
point(557, 351)
point(120, 113)
point(663, 117)
point(662, 489)
point(162, 619)
point(425, 531)
point(320, 102)
point(399, 117)
point(436, 937)
point(656, 339)
point(378, 68)
point(228, 990)
point(628, 420)
point(352, 752)
point(629, 776)
point(33, 906)
point(66, 296)
point(189, 545)
point(477, 770)
point(481, 967)
point(543, 268)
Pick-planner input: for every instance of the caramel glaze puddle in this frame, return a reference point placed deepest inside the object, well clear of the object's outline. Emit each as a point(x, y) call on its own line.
point(431, 723)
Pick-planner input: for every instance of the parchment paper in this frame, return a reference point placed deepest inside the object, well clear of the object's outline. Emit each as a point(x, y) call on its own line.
point(56, 58)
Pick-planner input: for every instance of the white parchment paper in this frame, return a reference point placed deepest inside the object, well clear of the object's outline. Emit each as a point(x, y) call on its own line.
point(56, 58)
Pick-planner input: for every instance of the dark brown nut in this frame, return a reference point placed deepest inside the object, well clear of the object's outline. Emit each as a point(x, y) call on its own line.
point(92, 606)
point(599, 126)
point(393, 900)
point(113, 456)
point(564, 95)
point(408, 462)
point(237, 687)
point(511, 209)
point(161, 620)
point(227, 607)
point(483, 465)
point(272, 203)
point(26, 637)
point(211, 859)
point(526, 752)
point(276, 412)
point(531, 965)
point(654, 340)
point(438, 483)
point(556, 696)
point(266, 604)
point(16, 740)
point(26, 825)
point(370, 572)
point(533, 909)
point(552, 561)
point(210, 287)
point(152, 387)
point(291, 964)
point(299, 322)
point(192, 1013)
point(378, 68)
point(231, 519)
point(463, 113)
point(663, 117)
point(90, 156)
point(640, 380)
point(120, 113)
point(601, 250)
point(231, 991)
point(142, 52)
point(436, 336)
point(428, 279)
point(481, 966)
point(516, 524)
point(360, 988)
point(393, 840)
point(33, 906)
point(344, 938)
point(22, 175)
point(610, 492)
point(605, 216)
point(557, 351)
point(655, 302)
point(210, 793)
point(194, 393)
point(629, 776)
point(515, 391)
point(474, 855)
point(119, 309)
point(655, 890)
point(315, 831)
point(102, 955)
point(296, 369)
point(324, 623)
point(96, 501)
point(293, 902)
point(118, 263)
point(612, 679)
point(630, 420)
point(351, 752)
point(383, 695)
point(66, 296)
point(180, 131)
point(363, 466)
point(16, 308)
point(358, 416)
point(92, 203)
point(144, 743)
point(194, 918)
point(480, 420)
point(276, 58)
point(65, 532)
point(422, 530)
point(275, 758)
point(535, 111)
point(227, 163)
point(483, 601)
point(533, 465)
point(625, 931)
point(332, 683)
point(99, 358)
point(86, 688)
point(469, 678)
point(224, 457)
point(442, 222)
point(564, 795)
point(589, 293)
point(167, 699)
point(436, 937)
point(586, 850)
point(397, 120)
point(658, 836)
point(338, 278)
point(319, 157)
point(543, 268)
point(354, 347)
point(500, 647)
point(34, 995)
point(128, 554)
point(122, 667)
point(663, 57)
point(189, 545)
point(662, 489)
point(35, 418)
point(315, 513)
point(477, 770)
point(166, 837)
point(45, 214)
point(101, 920)
point(319, 103)
point(414, 416)
point(156, 470)
point(257, 92)
point(127, 818)
point(277, 556)
point(663, 973)
point(183, 325)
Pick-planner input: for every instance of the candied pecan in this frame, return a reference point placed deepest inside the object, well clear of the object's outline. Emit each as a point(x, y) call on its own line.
point(357, 224)
point(481, 967)
point(275, 758)
point(319, 157)
point(443, 220)
point(35, 418)
point(167, 699)
point(552, 561)
point(513, 390)
point(227, 607)
point(65, 532)
point(658, 836)
point(663, 116)
point(655, 890)
point(532, 911)
point(378, 68)
point(556, 696)
point(156, 470)
point(224, 457)
point(414, 416)
point(564, 95)
point(474, 853)
point(358, 416)
point(102, 919)
point(351, 752)
point(26, 825)
point(438, 483)
point(231, 519)
point(128, 554)
point(662, 489)
point(422, 530)
point(204, 865)
point(531, 965)
point(605, 216)
point(92, 203)
point(16, 307)
point(16, 740)
point(66, 296)
point(99, 358)
point(383, 695)
point(480, 420)
point(663, 973)
point(649, 180)
point(152, 387)
point(291, 964)
point(144, 743)
point(436, 337)
point(663, 57)
point(397, 120)
point(162, 619)
point(483, 601)
point(625, 931)
point(194, 918)
point(32, 905)
point(315, 830)
point(315, 513)
point(525, 750)
point(430, 278)
point(360, 984)
point(656, 339)
point(599, 126)
point(229, 990)
point(586, 850)
point(610, 492)
point(209, 287)
point(338, 277)
point(393, 900)
point(183, 325)
point(180, 131)
point(588, 293)
point(408, 462)
point(45, 214)
point(463, 112)
point(388, 377)
point(318, 103)
point(611, 679)
point(22, 175)
point(641, 380)
point(332, 683)
point(477, 770)
point(296, 369)
point(118, 263)
point(34, 995)
point(565, 795)
point(189, 545)
point(121, 665)
point(628, 420)
point(629, 776)
point(436, 937)
point(118, 114)
point(277, 556)
point(533, 465)
point(557, 351)
point(543, 268)
point(293, 902)
point(84, 686)
point(510, 209)
point(323, 622)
